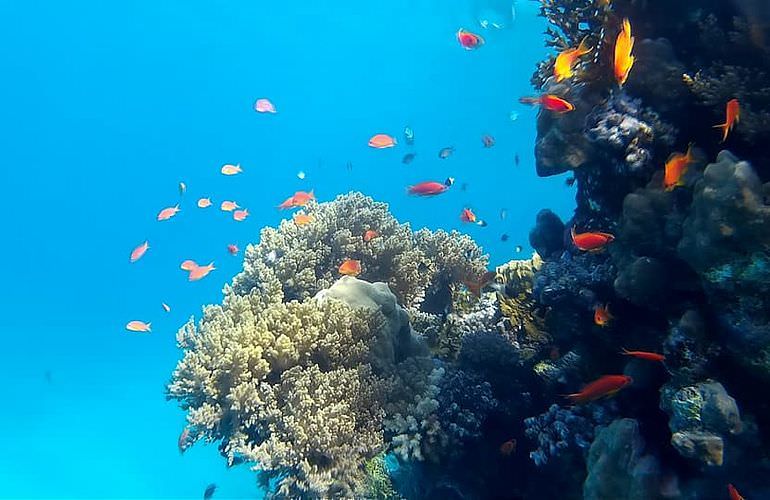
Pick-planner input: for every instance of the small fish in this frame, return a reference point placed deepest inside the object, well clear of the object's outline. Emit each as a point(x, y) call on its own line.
point(624, 45)
point(182, 188)
point(349, 166)
point(139, 251)
point(369, 235)
point(138, 326)
point(381, 141)
point(566, 60)
point(229, 169)
point(554, 353)
point(602, 316)
point(409, 135)
point(165, 307)
point(167, 213)
point(188, 265)
point(734, 495)
point(488, 141)
point(204, 203)
point(264, 106)
point(210, 489)
point(570, 181)
point(350, 267)
point(604, 386)
point(468, 40)
point(228, 206)
point(183, 442)
point(733, 116)
point(445, 153)
point(519, 248)
point(591, 241)
point(430, 188)
point(468, 216)
point(508, 447)
point(232, 248)
point(504, 237)
point(675, 168)
point(503, 213)
point(298, 199)
point(301, 175)
point(475, 286)
point(407, 159)
point(464, 186)
point(516, 160)
point(302, 219)
point(513, 116)
point(240, 215)
point(649, 356)
point(549, 102)
point(200, 272)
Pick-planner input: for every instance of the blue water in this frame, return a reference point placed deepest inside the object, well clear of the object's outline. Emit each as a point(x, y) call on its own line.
point(107, 107)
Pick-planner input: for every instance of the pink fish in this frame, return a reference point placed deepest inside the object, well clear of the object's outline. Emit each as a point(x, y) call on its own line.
point(188, 265)
point(167, 213)
point(240, 215)
point(204, 203)
point(139, 251)
point(231, 169)
point(138, 326)
point(228, 206)
point(184, 440)
point(200, 272)
point(264, 106)
point(232, 248)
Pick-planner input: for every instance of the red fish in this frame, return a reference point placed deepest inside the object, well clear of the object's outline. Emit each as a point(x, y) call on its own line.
point(675, 168)
point(430, 188)
point(139, 251)
point(232, 248)
point(649, 356)
point(602, 316)
point(350, 267)
point(591, 241)
point(475, 286)
point(604, 386)
point(734, 495)
point(624, 45)
point(381, 141)
point(549, 102)
point(468, 40)
point(298, 199)
point(565, 61)
point(508, 447)
point(733, 116)
point(370, 235)
point(467, 215)
point(188, 265)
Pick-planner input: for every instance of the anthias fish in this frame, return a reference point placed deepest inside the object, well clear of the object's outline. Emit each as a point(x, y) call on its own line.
point(732, 116)
point(733, 493)
point(381, 141)
point(240, 215)
point(468, 40)
point(592, 241)
point(138, 326)
point(264, 106)
point(229, 169)
point(675, 168)
point(565, 62)
point(204, 203)
point(138, 252)
point(468, 216)
point(303, 219)
point(233, 249)
point(602, 316)
point(624, 45)
point(228, 206)
point(476, 286)
point(298, 199)
point(350, 267)
point(430, 188)
point(549, 102)
point(602, 387)
point(369, 235)
point(649, 356)
point(167, 213)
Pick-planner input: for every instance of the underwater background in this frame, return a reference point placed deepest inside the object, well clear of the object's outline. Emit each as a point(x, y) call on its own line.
point(641, 294)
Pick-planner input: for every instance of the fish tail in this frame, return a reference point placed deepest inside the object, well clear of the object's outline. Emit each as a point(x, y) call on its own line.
point(449, 181)
point(625, 352)
point(725, 130)
point(149, 327)
point(583, 48)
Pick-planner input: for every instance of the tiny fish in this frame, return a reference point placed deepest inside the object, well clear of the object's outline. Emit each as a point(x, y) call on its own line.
point(409, 135)
point(504, 237)
point(407, 159)
point(232, 248)
point(264, 106)
point(734, 495)
point(301, 175)
point(519, 248)
point(675, 168)
point(165, 307)
point(240, 215)
point(430, 188)
point(139, 251)
point(508, 447)
point(566, 60)
point(369, 235)
point(513, 116)
point(602, 316)
point(167, 213)
point(229, 169)
point(350, 267)
point(516, 159)
point(182, 188)
point(200, 272)
point(381, 141)
point(467, 215)
point(733, 116)
point(302, 219)
point(138, 326)
point(228, 206)
point(488, 141)
point(624, 45)
point(591, 241)
point(503, 213)
point(183, 442)
point(204, 203)
point(649, 356)
point(445, 153)
point(602, 387)
point(570, 181)
point(549, 102)
point(468, 40)
point(210, 489)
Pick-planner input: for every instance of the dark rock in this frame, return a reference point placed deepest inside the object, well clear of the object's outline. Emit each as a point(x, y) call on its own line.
point(547, 237)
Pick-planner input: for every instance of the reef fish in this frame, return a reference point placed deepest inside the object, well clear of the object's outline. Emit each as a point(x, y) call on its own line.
point(298, 199)
point(565, 61)
point(468, 40)
point(549, 102)
point(475, 286)
point(138, 326)
point(675, 168)
point(229, 169)
point(592, 241)
point(381, 141)
point(732, 116)
point(166, 307)
point(624, 45)
point(430, 188)
point(240, 215)
point(232, 248)
point(467, 215)
point(488, 141)
point(183, 442)
point(350, 267)
point(508, 447)
point(228, 206)
point(264, 106)
point(369, 235)
point(734, 495)
point(210, 489)
point(303, 219)
point(204, 203)
point(139, 251)
point(409, 135)
point(188, 265)
point(604, 386)
point(407, 159)
point(167, 213)
point(445, 153)
point(182, 188)
point(649, 356)
point(602, 316)
point(200, 272)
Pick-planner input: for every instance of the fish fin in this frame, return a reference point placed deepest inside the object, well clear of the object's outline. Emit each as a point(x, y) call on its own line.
point(149, 327)
point(449, 181)
point(583, 47)
point(624, 351)
point(533, 101)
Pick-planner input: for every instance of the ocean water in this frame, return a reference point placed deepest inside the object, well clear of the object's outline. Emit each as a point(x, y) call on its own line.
point(107, 106)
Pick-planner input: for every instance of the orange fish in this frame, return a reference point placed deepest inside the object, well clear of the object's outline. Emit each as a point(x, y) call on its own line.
point(204, 203)
point(233, 249)
point(302, 219)
point(381, 141)
point(199, 272)
point(476, 286)
point(623, 58)
point(468, 216)
point(602, 316)
point(370, 235)
point(549, 102)
point(139, 251)
point(565, 61)
point(228, 206)
point(733, 116)
point(591, 241)
point(188, 265)
point(298, 199)
point(604, 386)
point(675, 168)
point(240, 215)
point(734, 495)
point(350, 267)
point(231, 169)
point(167, 213)
point(468, 40)
point(165, 307)
point(508, 447)
point(649, 356)
point(138, 326)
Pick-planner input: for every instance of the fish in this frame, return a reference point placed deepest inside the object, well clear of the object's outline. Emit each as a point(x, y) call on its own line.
point(350, 267)
point(468, 40)
point(734, 495)
point(409, 135)
point(733, 116)
point(264, 106)
point(549, 102)
point(298, 199)
point(165, 307)
point(232, 248)
point(168, 212)
point(182, 188)
point(138, 326)
point(504, 237)
point(475, 286)
point(301, 175)
point(430, 188)
point(624, 45)
point(519, 248)
point(468, 216)
point(604, 386)
point(381, 141)
point(204, 202)
point(488, 141)
point(139, 251)
point(228, 206)
point(407, 159)
point(591, 241)
point(570, 181)
point(602, 316)
point(200, 272)
point(464, 186)
point(369, 235)
point(302, 219)
point(503, 213)
point(649, 356)
point(183, 442)
point(508, 447)
point(240, 215)
point(229, 169)
point(513, 116)
point(516, 159)
point(446, 152)
point(210, 489)
point(188, 265)
point(563, 67)
point(675, 168)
